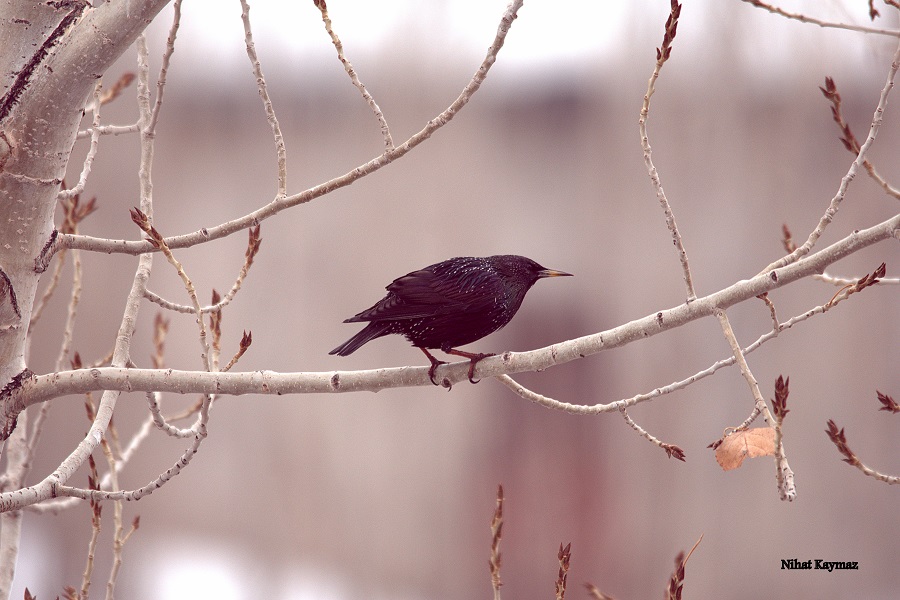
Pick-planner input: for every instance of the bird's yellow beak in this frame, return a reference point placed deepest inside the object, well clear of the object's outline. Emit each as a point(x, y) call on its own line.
point(553, 273)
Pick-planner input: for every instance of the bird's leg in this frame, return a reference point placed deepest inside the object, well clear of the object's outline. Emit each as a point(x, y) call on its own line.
point(434, 364)
point(473, 357)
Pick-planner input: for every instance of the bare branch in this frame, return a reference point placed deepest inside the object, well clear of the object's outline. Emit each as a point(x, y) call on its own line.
point(137, 494)
point(143, 221)
point(662, 55)
point(826, 24)
point(867, 281)
point(280, 149)
point(385, 130)
point(671, 449)
point(563, 556)
point(92, 150)
point(848, 139)
point(279, 204)
point(96, 510)
point(838, 438)
point(835, 203)
point(783, 473)
point(790, 246)
point(246, 341)
point(150, 125)
point(496, 534)
point(252, 249)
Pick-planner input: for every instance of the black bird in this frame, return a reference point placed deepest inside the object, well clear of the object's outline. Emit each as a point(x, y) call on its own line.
point(450, 304)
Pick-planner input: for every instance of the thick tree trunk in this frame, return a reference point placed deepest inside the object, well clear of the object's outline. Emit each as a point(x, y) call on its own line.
point(51, 57)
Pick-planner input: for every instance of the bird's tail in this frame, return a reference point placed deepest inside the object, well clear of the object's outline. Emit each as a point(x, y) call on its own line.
point(371, 331)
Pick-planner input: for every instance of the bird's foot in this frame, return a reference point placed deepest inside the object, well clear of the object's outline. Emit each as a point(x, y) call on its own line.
point(474, 358)
point(434, 365)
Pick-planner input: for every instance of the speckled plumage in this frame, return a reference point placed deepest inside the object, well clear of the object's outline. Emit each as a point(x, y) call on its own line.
point(451, 303)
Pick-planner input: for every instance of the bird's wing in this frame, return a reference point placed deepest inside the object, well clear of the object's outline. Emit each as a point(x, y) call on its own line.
point(425, 293)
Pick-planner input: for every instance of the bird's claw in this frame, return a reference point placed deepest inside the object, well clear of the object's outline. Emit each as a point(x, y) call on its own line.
point(474, 359)
point(472, 364)
point(434, 365)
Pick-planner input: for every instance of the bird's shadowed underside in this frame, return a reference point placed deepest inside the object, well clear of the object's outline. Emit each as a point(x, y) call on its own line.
point(450, 304)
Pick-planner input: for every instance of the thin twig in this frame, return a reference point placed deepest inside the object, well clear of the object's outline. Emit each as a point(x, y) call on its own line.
point(676, 581)
point(838, 438)
point(113, 474)
point(860, 284)
point(74, 213)
point(835, 203)
point(280, 149)
point(246, 340)
point(779, 407)
point(496, 535)
point(790, 246)
point(843, 281)
point(96, 510)
point(385, 130)
point(215, 329)
point(150, 126)
point(109, 130)
point(662, 55)
point(749, 420)
point(849, 139)
point(48, 292)
point(182, 308)
point(771, 306)
point(142, 220)
point(136, 494)
point(671, 449)
point(783, 473)
point(563, 556)
point(821, 23)
point(92, 149)
point(160, 421)
point(252, 249)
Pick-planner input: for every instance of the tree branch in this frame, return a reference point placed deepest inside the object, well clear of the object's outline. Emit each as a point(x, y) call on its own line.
point(278, 204)
point(44, 387)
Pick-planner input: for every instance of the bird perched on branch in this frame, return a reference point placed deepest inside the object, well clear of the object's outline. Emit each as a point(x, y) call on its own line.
point(450, 304)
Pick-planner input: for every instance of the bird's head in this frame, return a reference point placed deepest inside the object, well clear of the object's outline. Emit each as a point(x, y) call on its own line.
point(520, 267)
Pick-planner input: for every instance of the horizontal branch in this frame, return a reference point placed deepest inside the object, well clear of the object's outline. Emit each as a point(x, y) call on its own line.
point(40, 388)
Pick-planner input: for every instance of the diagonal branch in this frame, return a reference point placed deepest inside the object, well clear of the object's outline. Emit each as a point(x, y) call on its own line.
point(279, 204)
point(783, 473)
point(835, 203)
point(839, 439)
point(821, 23)
point(354, 78)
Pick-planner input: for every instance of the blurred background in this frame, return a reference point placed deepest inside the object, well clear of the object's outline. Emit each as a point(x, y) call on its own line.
point(391, 495)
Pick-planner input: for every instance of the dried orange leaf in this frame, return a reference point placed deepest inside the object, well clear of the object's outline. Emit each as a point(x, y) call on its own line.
point(742, 444)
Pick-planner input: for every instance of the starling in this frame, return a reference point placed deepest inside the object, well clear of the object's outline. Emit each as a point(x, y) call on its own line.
point(450, 304)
